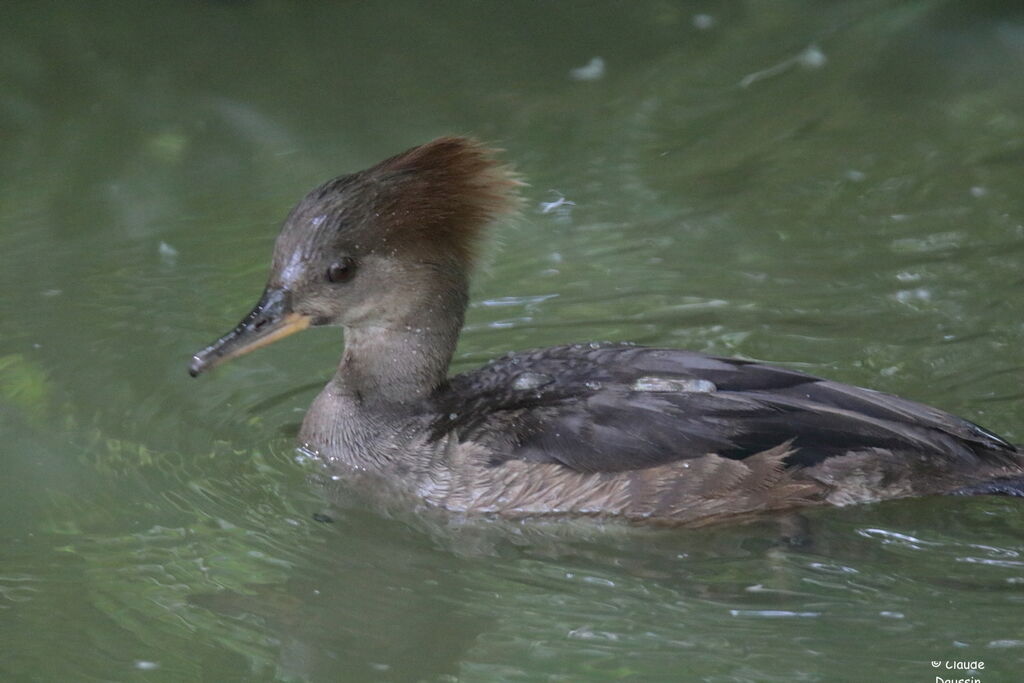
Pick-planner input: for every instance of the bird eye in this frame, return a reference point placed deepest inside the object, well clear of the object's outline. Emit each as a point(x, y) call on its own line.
point(341, 271)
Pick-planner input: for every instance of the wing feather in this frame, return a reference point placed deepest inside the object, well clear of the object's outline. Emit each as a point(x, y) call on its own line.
point(599, 409)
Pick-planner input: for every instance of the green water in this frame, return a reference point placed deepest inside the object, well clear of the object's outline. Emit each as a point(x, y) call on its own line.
point(836, 186)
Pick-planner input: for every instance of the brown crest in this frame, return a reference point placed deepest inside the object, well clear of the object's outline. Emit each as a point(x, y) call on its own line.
point(444, 192)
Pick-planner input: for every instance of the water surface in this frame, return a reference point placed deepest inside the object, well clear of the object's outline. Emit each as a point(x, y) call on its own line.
point(835, 186)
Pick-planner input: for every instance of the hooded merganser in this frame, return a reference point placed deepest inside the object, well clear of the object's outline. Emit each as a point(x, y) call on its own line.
point(604, 430)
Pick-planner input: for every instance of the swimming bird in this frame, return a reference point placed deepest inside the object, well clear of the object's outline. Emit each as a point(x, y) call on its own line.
point(606, 430)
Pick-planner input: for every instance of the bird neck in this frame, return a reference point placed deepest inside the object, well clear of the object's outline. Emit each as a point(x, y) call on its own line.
point(404, 360)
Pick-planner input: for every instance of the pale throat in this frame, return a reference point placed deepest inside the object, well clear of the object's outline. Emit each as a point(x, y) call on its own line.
point(398, 347)
point(397, 364)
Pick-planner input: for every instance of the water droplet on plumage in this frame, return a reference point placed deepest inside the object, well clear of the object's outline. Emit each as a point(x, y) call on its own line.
point(674, 384)
point(531, 380)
